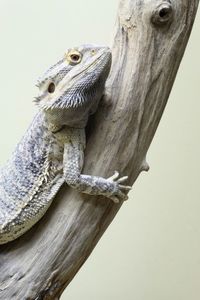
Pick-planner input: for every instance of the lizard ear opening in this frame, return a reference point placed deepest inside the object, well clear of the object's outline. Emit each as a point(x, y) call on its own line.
point(51, 88)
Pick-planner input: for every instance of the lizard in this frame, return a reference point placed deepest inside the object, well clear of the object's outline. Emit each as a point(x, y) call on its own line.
point(51, 152)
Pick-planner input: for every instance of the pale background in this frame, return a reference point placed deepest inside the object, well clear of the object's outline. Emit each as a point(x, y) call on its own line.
point(152, 249)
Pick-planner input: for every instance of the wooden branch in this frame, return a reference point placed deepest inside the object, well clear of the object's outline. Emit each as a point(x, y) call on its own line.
point(149, 41)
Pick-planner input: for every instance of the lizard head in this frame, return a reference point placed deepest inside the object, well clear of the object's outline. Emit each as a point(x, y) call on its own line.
point(70, 90)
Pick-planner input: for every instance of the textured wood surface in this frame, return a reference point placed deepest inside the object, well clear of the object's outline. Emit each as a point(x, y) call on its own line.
point(149, 41)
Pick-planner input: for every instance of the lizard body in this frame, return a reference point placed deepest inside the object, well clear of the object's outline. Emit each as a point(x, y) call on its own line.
point(52, 150)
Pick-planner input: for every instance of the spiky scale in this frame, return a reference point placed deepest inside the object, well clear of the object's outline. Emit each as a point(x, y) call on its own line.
point(52, 150)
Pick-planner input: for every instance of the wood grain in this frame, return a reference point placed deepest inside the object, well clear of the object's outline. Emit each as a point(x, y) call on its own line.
point(149, 41)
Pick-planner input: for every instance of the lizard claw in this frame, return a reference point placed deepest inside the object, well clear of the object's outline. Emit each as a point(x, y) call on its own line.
point(114, 176)
point(119, 192)
point(125, 187)
point(122, 179)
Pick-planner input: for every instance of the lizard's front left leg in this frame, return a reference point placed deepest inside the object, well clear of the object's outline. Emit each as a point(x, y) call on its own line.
point(111, 187)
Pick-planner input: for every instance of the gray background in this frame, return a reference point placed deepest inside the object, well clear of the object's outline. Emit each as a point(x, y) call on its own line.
point(152, 249)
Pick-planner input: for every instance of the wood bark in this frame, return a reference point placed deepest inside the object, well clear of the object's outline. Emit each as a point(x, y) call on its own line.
point(149, 41)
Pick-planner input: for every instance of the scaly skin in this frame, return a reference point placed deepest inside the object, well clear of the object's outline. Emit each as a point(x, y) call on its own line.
point(52, 150)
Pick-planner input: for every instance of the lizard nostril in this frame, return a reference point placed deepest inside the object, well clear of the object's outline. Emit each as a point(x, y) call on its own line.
point(51, 87)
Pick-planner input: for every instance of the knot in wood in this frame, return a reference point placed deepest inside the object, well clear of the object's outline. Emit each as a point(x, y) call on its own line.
point(162, 14)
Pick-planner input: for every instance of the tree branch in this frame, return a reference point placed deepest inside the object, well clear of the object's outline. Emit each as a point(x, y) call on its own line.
point(149, 42)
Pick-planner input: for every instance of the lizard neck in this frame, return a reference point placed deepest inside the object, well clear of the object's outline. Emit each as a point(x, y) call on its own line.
point(71, 117)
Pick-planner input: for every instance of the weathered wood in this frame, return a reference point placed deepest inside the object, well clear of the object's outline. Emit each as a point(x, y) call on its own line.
point(149, 41)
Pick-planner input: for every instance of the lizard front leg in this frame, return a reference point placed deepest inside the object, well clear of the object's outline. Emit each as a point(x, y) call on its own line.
point(111, 187)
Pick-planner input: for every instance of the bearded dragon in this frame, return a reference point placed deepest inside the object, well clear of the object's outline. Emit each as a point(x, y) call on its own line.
point(52, 150)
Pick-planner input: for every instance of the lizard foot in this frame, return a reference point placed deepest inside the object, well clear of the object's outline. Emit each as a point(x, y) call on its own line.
point(119, 192)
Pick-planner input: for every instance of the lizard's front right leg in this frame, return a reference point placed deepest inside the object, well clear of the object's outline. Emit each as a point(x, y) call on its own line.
point(111, 187)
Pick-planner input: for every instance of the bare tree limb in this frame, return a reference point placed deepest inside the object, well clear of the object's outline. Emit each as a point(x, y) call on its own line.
point(149, 42)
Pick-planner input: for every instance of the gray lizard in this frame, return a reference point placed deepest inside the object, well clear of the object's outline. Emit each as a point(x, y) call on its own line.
point(52, 149)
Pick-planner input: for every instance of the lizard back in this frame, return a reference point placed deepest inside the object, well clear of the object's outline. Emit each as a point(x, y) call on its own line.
point(30, 179)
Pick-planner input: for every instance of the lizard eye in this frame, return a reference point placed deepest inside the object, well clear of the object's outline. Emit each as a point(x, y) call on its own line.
point(74, 57)
point(51, 88)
